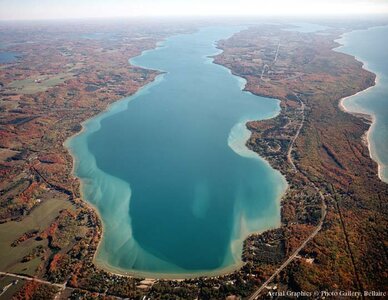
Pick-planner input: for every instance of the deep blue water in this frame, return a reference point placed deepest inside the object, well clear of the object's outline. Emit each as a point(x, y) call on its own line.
point(168, 170)
point(370, 46)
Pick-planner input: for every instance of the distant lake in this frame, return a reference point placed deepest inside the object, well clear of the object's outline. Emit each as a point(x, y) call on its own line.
point(100, 36)
point(168, 170)
point(7, 57)
point(306, 27)
point(370, 47)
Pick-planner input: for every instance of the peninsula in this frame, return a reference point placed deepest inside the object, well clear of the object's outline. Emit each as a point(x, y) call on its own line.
point(333, 215)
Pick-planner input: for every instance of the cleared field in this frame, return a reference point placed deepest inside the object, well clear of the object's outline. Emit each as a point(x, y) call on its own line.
point(39, 219)
point(7, 153)
point(38, 84)
point(10, 285)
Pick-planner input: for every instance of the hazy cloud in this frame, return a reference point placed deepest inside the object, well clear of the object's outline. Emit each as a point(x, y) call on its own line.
point(51, 9)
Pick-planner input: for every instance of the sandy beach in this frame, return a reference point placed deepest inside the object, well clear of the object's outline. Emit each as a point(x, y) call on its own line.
point(362, 114)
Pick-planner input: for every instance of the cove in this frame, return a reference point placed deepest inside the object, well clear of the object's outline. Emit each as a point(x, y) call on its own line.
point(8, 57)
point(167, 168)
point(370, 47)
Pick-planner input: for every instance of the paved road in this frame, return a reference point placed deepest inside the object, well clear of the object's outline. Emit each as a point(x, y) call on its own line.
point(256, 294)
point(262, 72)
point(276, 55)
point(61, 287)
point(58, 285)
point(267, 67)
point(6, 288)
point(289, 158)
point(291, 258)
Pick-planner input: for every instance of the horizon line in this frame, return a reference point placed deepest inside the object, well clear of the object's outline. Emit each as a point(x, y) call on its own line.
point(200, 16)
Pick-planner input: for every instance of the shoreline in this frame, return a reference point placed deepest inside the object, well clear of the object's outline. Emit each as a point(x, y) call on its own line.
point(84, 200)
point(370, 116)
point(317, 142)
point(226, 270)
point(223, 271)
point(167, 276)
point(83, 124)
point(366, 138)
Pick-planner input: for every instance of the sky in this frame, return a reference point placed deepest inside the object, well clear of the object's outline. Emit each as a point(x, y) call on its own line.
point(74, 9)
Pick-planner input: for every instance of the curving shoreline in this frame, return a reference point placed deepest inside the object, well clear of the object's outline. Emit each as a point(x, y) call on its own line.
point(328, 155)
point(367, 137)
point(326, 159)
point(370, 116)
point(107, 266)
point(224, 271)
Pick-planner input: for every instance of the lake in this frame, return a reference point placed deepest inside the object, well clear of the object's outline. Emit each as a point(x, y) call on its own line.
point(167, 168)
point(370, 47)
point(8, 57)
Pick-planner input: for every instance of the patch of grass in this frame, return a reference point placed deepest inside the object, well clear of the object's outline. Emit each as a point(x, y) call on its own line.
point(13, 289)
point(40, 218)
point(28, 268)
point(38, 84)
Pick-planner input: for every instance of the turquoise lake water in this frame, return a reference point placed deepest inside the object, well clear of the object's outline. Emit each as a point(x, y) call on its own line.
point(168, 170)
point(370, 46)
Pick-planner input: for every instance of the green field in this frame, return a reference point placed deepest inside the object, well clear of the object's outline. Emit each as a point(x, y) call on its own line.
point(16, 285)
point(40, 218)
point(38, 84)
